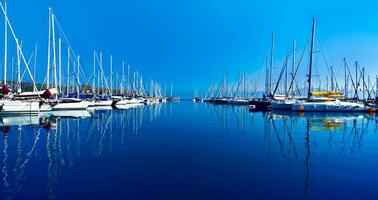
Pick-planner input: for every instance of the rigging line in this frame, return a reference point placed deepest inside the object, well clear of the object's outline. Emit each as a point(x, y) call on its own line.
point(17, 44)
point(297, 67)
point(29, 60)
point(330, 71)
point(102, 72)
point(69, 45)
point(259, 76)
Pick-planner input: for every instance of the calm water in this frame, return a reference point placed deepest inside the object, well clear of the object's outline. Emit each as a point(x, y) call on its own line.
point(189, 151)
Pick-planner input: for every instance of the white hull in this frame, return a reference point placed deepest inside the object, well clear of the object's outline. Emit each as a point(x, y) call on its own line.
point(82, 105)
point(71, 113)
point(332, 106)
point(239, 102)
point(103, 103)
point(129, 101)
point(23, 107)
point(282, 105)
point(94, 108)
point(128, 106)
point(19, 120)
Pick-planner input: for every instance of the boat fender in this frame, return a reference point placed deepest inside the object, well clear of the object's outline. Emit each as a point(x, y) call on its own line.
point(371, 110)
point(301, 108)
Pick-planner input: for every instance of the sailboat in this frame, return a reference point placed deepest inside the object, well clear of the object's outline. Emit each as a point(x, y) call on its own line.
point(12, 105)
point(62, 103)
point(100, 100)
point(258, 104)
point(325, 101)
point(237, 100)
point(286, 101)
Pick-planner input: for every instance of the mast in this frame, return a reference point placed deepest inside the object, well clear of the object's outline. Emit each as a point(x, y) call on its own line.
point(357, 82)
point(376, 89)
point(128, 81)
point(271, 65)
point(363, 83)
point(60, 64)
point(68, 72)
point(332, 83)
point(123, 79)
point(266, 77)
point(78, 76)
point(345, 79)
point(48, 53)
point(5, 45)
point(311, 58)
point(244, 88)
point(293, 66)
point(286, 75)
point(18, 71)
point(54, 51)
point(35, 65)
point(94, 74)
point(111, 75)
point(102, 74)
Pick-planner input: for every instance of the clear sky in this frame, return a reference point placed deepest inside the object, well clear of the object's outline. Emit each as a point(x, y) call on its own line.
point(191, 43)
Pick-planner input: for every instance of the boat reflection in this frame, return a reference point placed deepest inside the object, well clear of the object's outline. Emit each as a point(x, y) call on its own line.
point(20, 120)
point(58, 141)
point(288, 129)
point(71, 114)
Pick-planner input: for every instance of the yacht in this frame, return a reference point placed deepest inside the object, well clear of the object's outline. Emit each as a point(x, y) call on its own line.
point(70, 104)
point(285, 104)
point(13, 107)
point(103, 101)
point(238, 101)
point(327, 104)
point(127, 101)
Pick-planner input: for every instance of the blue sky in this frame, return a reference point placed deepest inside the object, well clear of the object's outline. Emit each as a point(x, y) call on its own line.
point(191, 43)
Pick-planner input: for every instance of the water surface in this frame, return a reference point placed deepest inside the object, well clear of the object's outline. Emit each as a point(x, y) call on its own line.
point(189, 151)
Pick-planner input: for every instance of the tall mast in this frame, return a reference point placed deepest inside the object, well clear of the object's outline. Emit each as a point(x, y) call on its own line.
point(111, 75)
point(68, 72)
point(357, 82)
point(54, 51)
point(267, 89)
point(18, 71)
point(376, 88)
point(332, 81)
point(102, 74)
point(5, 45)
point(293, 66)
point(311, 58)
point(60, 64)
point(94, 73)
point(129, 90)
point(48, 53)
point(271, 65)
point(244, 94)
point(123, 79)
point(78, 76)
point(363, 83)
point(286, 75)
point(35, 65)
point(345, 79)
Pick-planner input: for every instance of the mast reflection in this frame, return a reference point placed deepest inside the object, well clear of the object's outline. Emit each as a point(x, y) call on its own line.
point(59, 139)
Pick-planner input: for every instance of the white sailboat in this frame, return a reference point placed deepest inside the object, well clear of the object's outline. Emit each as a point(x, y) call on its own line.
point(325, 101)
point(127, 101)
point(326, 104)
point(70, 104)
point(63, 103)
point(11, 106)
